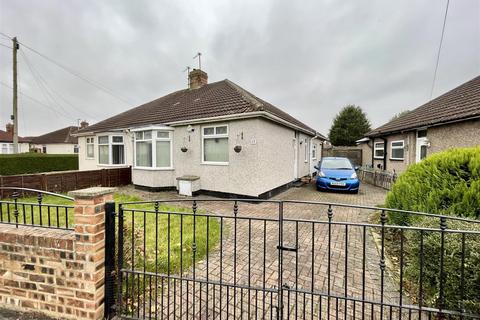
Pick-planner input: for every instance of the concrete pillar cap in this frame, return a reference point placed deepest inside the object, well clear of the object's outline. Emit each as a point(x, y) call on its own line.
point(91, 192)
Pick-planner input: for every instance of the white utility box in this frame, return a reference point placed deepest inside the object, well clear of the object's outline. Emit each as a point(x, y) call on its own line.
point(188, 184)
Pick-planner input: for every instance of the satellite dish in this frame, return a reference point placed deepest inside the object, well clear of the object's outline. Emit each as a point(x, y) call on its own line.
point(190, 128)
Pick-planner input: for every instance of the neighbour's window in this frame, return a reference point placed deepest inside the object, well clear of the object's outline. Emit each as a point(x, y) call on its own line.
point(75, 148)
point(103, 148)
point(44, 149)
point(379, 150)
point(153, 149)
point(215, 144)
point(163, 146)
point(397, 148)
point(143, 149)
point(90, 148)
point(111, 150)
point(118, 149)
point(314, 151)
point(5, 148)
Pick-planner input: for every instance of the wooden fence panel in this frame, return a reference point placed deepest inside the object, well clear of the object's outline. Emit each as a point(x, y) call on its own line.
point(69, 180)
point(354, 154)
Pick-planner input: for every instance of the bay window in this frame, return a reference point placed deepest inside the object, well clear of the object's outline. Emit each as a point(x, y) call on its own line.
point(379, 150)
point(397, 150)
point(111, 150)
point(153, 149)
point(215, 145)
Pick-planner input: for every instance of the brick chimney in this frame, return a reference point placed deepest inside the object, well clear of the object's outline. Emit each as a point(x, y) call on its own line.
point(9, 127)
point(197, 78)
point(83, 124)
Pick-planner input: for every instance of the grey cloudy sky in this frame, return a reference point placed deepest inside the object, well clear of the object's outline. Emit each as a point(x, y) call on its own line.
point(309, 58)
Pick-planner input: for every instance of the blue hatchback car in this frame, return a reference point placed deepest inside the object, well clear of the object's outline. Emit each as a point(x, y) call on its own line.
point(336, 173)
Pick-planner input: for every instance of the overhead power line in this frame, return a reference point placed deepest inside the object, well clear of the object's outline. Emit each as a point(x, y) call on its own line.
point(439, 49)
point(75, 73)
point(48, 90)
point(38, 102)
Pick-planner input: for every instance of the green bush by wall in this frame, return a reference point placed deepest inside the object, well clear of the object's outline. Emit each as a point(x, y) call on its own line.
point(446, 183)
point(24, 163)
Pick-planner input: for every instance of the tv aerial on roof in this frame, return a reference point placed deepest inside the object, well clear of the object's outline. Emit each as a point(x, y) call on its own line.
point(199, 55)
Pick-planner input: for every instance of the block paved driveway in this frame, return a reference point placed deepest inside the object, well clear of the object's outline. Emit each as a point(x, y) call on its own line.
point(335, 260)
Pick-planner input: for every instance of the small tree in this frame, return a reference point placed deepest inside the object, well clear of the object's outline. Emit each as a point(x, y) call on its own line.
point(349, 125)
point(400, 114)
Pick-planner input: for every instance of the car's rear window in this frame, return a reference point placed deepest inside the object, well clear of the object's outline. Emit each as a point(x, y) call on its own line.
point(337, 164)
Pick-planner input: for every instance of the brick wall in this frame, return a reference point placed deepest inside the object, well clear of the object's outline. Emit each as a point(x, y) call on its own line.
point(57, 272)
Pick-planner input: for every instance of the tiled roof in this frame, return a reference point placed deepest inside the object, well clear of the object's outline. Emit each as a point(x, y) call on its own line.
point(8, 137)
point(220, 98)
point(63, 135)
point(461, 103)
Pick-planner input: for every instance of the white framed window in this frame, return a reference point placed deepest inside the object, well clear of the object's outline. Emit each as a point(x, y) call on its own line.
point(163, 149)
point(397, 150)
point(90, 147)
point(215, 145)
point(378, 150)
point(44, 149)
point(111, 150)
point(7, 148)
point(75, 149)
point(153, 149)
point(314, 151)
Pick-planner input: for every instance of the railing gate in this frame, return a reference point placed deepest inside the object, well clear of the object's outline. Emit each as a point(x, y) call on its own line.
point(110, 273)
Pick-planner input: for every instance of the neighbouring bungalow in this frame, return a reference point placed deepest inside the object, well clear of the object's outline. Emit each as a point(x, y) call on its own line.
point(448, 121)
point(6, 141)
point(215, 138)
point(60, 141)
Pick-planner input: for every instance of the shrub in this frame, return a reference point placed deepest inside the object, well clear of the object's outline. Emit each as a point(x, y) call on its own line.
point(457, 296)
point(444, 183)
point(11, 164)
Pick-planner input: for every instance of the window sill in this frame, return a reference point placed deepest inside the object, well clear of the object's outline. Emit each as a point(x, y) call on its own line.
point(86, 158)
point(378, 158)
point(111, 165)
point(215, 163)
point(397, 159)
point(154, 169)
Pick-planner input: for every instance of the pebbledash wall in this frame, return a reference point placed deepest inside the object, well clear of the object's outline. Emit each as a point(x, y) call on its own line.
point(266, 161)
point(443, 137)
point(57, 272)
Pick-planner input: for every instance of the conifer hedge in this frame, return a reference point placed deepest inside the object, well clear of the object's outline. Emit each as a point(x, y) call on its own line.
point(24, 163)
point(446, 183)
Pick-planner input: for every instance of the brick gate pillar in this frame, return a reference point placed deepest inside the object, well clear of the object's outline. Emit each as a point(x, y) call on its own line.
point(90, 247)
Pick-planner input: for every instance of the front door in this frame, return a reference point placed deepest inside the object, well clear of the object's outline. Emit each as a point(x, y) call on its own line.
point(422, 145)
point(295, 157)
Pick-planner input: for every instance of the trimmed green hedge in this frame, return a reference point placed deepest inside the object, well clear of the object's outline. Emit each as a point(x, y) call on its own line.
point(444, 183)
point(24, 163)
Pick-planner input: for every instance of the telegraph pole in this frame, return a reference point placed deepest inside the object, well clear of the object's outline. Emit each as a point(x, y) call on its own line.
point(15, 98)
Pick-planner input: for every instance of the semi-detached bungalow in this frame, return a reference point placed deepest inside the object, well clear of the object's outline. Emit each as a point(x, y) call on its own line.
point(216, 138)
point(61, 141)
point(6, 141)
point(448, 121)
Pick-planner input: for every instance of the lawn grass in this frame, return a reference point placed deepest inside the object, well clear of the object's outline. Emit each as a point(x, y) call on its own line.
point(161, 244)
